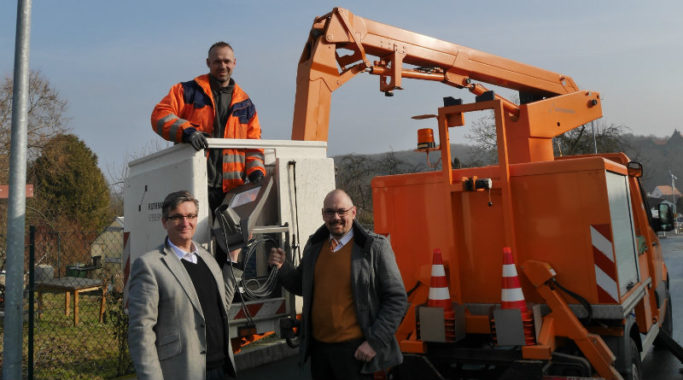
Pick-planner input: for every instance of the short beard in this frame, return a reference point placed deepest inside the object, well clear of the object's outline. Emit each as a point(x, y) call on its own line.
point(225, 83)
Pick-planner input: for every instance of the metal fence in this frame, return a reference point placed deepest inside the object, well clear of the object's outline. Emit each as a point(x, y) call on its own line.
point(75, 326)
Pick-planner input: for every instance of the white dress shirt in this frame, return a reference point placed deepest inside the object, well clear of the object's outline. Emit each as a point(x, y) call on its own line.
point(182, 255)
point(342, 242)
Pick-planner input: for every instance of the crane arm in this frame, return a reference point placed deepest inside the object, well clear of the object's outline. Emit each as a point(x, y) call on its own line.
point(323, 67)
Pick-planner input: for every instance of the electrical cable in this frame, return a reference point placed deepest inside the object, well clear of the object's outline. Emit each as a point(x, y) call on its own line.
point(297, 243)
point(223, 222)
point(414, 288)
point(262, 291)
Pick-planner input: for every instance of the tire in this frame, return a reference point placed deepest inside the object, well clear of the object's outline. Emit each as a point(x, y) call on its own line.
point(668, 324)
point(293, 342)
point(636, 372)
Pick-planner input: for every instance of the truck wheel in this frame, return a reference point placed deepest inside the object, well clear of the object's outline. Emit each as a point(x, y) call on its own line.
point(636, 365)
point(293, 342)
point(668, 325)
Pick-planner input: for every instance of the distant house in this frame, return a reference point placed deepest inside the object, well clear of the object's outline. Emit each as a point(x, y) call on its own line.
point(108, 246)
point(664, 192)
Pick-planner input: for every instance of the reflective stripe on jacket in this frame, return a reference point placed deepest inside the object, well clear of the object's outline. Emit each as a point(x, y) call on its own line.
point(190, 106)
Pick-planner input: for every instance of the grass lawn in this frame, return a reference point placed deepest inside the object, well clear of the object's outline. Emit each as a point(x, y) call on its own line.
point(87, 351)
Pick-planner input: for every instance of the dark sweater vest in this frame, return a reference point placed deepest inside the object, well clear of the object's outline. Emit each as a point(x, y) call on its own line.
point(210, 299)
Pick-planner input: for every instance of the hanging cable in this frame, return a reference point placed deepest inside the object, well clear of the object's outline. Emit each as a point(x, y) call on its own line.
point(260, 290)
point(296, 244)
point(224, 224)
point(586, 305)
point(252, 288)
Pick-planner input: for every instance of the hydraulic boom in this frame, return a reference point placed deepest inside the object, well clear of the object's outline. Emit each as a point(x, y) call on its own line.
point(324, 67)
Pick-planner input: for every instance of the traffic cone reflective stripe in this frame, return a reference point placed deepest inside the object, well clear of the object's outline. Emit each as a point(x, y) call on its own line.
point(437, 296)
point(438, 276)
point(514, 299)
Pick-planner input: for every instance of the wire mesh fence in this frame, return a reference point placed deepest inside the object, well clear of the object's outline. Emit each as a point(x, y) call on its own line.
point(74, 311)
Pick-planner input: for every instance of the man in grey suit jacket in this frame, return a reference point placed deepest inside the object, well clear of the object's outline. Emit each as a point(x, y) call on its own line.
point(178, 302)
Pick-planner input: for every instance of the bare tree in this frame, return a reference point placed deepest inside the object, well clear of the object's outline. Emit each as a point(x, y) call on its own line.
point(389, 164)
point(353, 175)
point(483, 136)
point(608, 139)
point(46, 118)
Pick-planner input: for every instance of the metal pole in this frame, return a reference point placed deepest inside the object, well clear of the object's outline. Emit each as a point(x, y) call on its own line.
point(595, 141)
point(59, 255)
point(673, 190)
point(31, 295)
point(16, 211)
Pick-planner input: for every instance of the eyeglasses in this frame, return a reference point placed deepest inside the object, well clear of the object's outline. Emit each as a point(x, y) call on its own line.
point(178, 217)
point(329, 212)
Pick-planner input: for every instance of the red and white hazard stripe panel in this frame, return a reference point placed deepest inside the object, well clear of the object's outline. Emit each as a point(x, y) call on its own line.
point(258, 309)
point(605, 267)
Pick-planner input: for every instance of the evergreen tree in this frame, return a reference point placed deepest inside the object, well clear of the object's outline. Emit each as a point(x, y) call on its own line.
point(69, 186)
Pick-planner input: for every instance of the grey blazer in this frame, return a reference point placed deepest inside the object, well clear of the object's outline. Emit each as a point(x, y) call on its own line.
point(166, 329)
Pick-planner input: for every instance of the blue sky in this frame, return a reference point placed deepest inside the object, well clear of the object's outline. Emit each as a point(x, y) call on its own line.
point(114, 60)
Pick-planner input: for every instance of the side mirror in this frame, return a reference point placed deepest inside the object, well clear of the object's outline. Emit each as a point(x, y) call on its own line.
point(665, 221)
point(635, 169)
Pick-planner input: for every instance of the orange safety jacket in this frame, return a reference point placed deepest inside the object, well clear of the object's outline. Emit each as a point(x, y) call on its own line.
point(190, 106)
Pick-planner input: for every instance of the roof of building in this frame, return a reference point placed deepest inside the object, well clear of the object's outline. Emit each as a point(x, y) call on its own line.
point(663, 191)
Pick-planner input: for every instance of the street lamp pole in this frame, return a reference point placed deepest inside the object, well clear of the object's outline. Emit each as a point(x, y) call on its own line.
point(595, 141)
point(673, 189)
point(16, 210)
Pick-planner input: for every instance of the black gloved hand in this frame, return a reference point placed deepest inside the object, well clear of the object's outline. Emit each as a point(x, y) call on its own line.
point(256, 177)
point(198, 141)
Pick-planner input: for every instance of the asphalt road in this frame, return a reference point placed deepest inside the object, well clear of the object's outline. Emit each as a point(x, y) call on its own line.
point(285, 369)
point(658, 365)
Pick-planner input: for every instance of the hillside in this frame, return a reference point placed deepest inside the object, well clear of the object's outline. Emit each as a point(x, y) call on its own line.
point(354, 172)
point(658, 156)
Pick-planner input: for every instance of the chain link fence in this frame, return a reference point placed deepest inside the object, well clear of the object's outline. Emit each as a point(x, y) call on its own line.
point(74, 312)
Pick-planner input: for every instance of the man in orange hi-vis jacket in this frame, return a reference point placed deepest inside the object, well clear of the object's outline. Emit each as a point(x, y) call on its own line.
point(213, 105)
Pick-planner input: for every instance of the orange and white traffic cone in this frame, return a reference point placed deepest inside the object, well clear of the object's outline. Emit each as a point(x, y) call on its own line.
point(512, 296)
point(439, 296)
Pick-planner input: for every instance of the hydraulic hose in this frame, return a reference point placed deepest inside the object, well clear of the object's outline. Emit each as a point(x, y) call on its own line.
point(582, 301)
